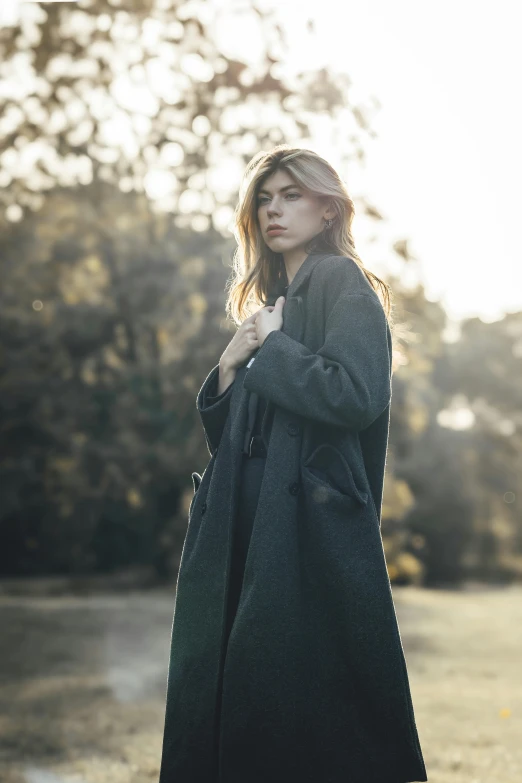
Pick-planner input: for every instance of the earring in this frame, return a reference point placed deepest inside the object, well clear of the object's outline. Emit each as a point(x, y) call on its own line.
point(328, 223)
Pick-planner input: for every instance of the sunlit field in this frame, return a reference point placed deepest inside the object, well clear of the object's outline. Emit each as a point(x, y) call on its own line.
point(83, 684)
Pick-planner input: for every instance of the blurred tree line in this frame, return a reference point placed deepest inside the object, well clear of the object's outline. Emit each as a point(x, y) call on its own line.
point(124, 129)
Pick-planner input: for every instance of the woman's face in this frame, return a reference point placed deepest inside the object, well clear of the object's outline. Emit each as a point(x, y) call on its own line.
point(297, 210)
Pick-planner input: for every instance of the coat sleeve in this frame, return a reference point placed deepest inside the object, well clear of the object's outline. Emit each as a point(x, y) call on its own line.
point(347, 382)
point(213, 408)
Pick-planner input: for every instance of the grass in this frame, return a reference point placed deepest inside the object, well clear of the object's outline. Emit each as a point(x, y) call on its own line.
point(83, 678)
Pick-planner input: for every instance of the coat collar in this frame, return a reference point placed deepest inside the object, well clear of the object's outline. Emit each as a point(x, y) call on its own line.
point(304, 271)
point(293, 315)
point(293, 326)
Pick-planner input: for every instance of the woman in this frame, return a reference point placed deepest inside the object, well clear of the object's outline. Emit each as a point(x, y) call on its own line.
point(286, 660)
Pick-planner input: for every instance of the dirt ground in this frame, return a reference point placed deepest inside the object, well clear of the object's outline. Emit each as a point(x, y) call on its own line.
point(83, 678)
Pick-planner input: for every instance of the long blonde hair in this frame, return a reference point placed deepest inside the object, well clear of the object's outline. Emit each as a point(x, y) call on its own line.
point(257, 270)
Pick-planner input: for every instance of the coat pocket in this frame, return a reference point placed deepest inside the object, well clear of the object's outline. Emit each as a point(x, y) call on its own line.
point(328, 468)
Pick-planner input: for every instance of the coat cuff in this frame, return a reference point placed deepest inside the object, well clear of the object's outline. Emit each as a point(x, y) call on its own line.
point(213, 408)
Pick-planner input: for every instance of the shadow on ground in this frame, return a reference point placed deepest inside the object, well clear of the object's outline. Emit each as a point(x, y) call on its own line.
point(83, 681)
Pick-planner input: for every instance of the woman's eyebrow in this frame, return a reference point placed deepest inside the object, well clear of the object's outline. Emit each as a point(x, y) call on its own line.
point(286, 187)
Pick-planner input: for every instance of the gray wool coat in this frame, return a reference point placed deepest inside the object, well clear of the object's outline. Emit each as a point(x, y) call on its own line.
point(312, 686)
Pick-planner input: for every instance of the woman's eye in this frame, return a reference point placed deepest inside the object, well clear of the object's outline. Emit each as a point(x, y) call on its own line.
point(263, 198)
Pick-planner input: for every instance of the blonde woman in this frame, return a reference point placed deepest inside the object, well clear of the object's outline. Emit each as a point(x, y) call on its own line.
point(286, 660)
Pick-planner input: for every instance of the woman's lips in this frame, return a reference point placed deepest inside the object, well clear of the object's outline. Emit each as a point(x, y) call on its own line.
point(275, 231)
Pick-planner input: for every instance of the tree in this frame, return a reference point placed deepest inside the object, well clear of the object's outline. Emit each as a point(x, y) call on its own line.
point(125, 129)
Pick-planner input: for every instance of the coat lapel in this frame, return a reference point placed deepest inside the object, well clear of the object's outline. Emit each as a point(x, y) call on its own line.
point(293, 326)
point(293, 321)
point(304, 271)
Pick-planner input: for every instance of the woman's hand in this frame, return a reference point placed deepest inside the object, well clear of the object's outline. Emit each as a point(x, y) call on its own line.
point(251, 335)
point(241, 346)
point(269, 319)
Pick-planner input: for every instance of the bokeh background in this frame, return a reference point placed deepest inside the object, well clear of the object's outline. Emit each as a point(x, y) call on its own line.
point(125, 127)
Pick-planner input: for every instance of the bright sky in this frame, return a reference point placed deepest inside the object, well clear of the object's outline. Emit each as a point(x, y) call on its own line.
point(446, 170)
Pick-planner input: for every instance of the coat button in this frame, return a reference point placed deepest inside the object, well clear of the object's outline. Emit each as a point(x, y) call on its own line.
point(293, 428)
point(204, 507)
point(293, 488)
